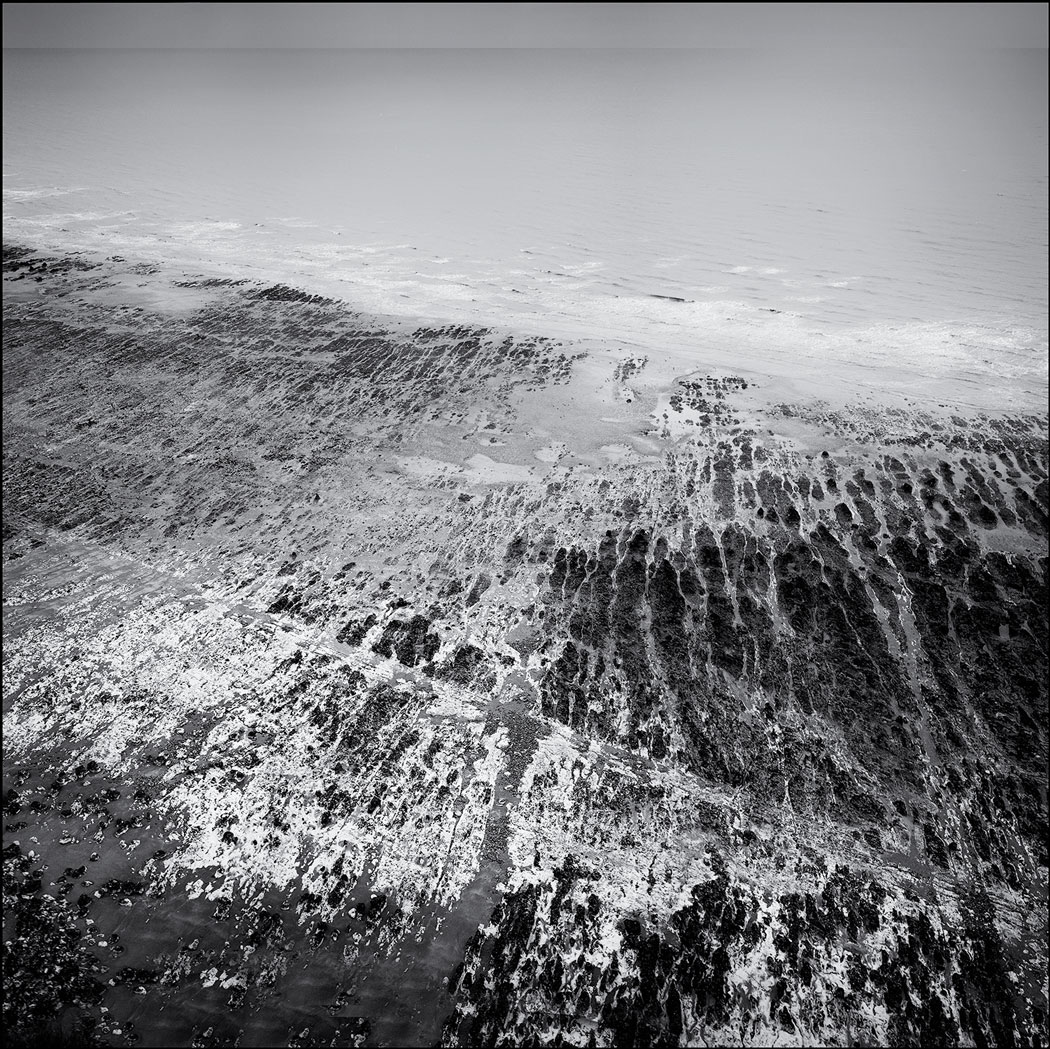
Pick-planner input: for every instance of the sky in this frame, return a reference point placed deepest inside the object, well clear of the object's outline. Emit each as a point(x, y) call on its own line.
point(266, 25)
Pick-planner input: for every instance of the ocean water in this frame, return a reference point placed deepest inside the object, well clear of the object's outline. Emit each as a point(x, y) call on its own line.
point(890, 204)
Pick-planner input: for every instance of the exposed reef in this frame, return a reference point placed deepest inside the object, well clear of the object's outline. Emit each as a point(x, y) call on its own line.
point(369, 683)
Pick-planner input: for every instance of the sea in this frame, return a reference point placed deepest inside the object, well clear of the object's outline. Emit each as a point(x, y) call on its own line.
point(822, 206)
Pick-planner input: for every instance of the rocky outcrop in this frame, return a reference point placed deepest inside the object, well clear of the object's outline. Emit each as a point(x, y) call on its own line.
point(836, 962)
point(382, 648)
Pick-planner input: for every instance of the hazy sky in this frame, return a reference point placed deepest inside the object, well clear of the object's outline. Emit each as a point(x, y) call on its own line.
point(522, 25)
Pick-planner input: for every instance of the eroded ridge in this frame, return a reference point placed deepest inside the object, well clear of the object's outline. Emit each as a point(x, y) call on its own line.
point(361, 688)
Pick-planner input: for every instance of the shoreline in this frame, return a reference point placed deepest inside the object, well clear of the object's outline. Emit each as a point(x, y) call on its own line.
point(950, 365)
